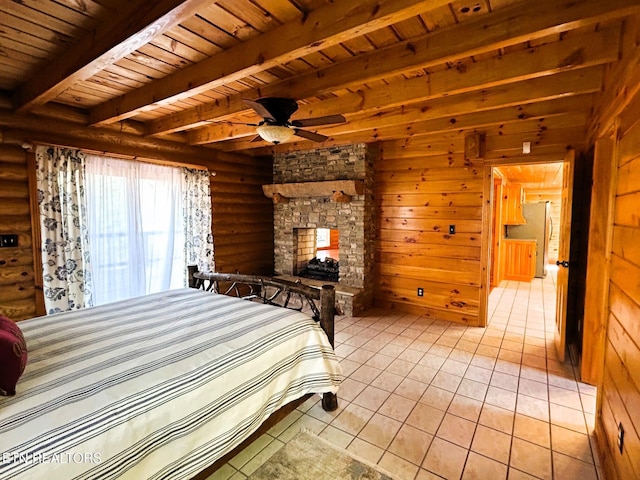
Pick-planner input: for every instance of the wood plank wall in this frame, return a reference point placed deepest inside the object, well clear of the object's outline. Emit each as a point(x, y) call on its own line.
point(17, 288)
point(421, 189)
point(242, 223)
point(615, 360)
point(619, 396)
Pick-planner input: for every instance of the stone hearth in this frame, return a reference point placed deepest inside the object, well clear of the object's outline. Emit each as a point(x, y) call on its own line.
point(354, 219)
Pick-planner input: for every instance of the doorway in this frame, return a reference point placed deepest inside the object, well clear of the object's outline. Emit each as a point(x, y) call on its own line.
point(515, 189)
point(568, 248)
point(515, 259)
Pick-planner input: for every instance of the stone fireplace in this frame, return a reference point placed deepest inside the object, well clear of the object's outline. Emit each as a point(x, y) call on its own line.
point(304, 200)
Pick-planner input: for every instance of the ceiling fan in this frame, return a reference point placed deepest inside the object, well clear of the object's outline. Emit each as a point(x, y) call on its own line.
point(276, 126)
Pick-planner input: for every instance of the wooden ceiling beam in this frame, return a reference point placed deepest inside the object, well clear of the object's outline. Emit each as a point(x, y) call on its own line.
point(30, 128)
point(321, 28)
point(472, 75)
point(529, 127)
point(522, 95)
point(624, 88)
point(131, 28)
point(529, 64)
point(509, 145)
point(527, 21)
point(408, 148)
point(539, 89)
point(463, 122)
point(449, 45)
point(502, 117)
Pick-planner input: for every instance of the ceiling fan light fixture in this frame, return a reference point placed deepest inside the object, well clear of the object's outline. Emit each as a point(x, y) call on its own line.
point(275, 133)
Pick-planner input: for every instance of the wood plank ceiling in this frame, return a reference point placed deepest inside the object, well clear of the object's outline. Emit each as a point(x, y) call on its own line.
point(396, 69)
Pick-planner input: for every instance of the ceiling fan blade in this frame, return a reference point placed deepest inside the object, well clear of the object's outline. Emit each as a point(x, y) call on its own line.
point(260, 109)
point(312, 122)
point(257, 138)
point(316, 137)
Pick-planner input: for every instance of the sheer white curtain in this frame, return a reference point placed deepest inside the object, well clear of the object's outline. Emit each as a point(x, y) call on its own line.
point(136, 226)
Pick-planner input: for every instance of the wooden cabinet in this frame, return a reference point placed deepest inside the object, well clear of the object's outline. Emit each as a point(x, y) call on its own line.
point(513, 198)
point(519, 259)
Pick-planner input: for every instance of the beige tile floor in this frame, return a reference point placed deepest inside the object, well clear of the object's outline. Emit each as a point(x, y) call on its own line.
point(430, 399)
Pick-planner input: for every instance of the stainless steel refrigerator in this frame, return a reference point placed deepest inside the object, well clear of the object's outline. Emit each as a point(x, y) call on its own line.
point(538, 227)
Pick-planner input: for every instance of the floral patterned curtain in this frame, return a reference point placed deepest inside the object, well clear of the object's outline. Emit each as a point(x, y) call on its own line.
point(197, 219)
point(65, 242)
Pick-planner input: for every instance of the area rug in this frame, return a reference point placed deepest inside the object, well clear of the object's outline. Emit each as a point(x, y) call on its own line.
point(308, 457)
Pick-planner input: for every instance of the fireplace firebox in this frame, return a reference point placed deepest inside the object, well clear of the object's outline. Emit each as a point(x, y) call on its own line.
point(317, 254)
point(322, 269)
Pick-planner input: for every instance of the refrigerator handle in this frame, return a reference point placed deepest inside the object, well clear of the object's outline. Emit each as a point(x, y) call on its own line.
point(550, 227)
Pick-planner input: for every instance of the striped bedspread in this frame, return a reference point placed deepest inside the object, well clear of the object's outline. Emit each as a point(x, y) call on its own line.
point(155, 387)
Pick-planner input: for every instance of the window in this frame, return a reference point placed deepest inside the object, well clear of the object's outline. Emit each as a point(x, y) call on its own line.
point(323, 237)
point(113, 229)
point(136, 228)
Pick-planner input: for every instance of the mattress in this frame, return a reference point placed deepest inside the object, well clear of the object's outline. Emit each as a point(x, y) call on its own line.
point(155, 387)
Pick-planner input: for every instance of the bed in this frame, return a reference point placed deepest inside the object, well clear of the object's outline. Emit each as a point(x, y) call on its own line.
point(161, 386)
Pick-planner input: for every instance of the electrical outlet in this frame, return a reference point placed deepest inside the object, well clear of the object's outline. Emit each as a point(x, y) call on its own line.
point(620, 437)
point(420, 292)
point(452, 229)
point(8, 240)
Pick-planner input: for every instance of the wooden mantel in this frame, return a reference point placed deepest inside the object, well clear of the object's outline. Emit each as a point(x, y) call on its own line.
point(338, 190)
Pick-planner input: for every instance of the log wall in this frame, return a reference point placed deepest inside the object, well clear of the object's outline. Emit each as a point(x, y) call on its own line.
point(242, 220)
point(242, 217)
point(17, 287)
point(420, 190)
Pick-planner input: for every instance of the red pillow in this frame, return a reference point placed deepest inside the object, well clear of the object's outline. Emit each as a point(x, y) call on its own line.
point(13, 355)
